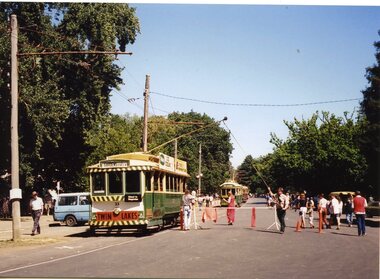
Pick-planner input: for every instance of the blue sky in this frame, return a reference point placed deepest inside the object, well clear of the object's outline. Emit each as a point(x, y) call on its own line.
point(249, 54)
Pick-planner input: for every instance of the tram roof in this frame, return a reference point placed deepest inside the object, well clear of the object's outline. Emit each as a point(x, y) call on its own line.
point(131, 162)
point(231, 184)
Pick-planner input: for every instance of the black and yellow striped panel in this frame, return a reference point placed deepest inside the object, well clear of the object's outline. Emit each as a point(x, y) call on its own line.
point(131, 168)
point(118, 223)
point(107, 198)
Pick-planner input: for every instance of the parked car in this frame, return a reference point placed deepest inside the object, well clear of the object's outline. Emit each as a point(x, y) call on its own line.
point(373, 209)
point(72, 208)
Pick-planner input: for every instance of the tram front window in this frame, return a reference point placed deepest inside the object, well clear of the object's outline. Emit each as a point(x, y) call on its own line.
point(115, 182)
point(132, 180)
point(98, 183)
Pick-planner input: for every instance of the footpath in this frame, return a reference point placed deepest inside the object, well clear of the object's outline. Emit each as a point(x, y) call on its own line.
point(51, 231)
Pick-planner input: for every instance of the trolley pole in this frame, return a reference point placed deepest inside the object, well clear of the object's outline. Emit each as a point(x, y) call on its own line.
point(15, 165)
point(146, 108)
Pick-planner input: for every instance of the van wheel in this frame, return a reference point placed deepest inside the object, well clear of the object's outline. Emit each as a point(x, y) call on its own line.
point(70, 221)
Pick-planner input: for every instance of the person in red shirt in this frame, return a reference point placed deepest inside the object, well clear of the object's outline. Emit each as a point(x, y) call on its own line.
point(359, 204)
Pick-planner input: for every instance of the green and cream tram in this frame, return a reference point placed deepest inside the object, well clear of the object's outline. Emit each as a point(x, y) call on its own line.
point(235, 188)
point(136, 191)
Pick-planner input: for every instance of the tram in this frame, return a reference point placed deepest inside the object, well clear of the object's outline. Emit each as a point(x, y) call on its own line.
point(136, 191)
point(235, 188)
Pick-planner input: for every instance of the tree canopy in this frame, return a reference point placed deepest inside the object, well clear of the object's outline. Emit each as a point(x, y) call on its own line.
point(62, 97)
point(370, 109)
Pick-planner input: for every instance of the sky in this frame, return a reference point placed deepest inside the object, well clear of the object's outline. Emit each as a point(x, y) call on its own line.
point(249, 54)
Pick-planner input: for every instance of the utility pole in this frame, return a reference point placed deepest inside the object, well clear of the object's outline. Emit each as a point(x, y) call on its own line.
point(146, 108)
point(15, 166)
point(199, 169)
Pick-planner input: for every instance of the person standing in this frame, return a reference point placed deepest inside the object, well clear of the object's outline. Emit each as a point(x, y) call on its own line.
point(340, 211)
point(230, 208)
point(348, 208)
point(36, 207)
point(302, 210)
point(359, 204)
point(282, 204)
point(334, 211)
point(5, 208)
point(322, 209)
point(187, 201)
point(310, 211)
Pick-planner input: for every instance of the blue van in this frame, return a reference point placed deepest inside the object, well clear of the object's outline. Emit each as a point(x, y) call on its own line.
point(72, 208)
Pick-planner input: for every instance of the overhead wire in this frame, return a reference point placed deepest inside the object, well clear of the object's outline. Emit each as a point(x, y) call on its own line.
point(252, 164)
point(255, 104)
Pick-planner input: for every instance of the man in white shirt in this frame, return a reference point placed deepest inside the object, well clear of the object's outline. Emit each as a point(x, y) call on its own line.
point(36, 206)
point(335, 210)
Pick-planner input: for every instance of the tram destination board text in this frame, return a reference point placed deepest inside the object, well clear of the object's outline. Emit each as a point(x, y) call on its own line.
point(122, 216)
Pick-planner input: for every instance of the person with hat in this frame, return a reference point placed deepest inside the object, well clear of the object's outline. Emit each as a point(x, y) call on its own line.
point(36, 206)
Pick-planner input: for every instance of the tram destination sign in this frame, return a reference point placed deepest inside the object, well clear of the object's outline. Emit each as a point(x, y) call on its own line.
point(114, 164)
point(122, 216)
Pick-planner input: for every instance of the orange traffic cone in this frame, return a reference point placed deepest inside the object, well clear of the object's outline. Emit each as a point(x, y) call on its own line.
point(298, 226)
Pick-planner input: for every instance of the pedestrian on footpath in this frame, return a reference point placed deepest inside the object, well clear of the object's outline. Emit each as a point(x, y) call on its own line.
point(282, 204)
point(359, 204)
point(322, 209)
point(187, 201)
point(5, 208)
point(36, 206)
point(230, 208)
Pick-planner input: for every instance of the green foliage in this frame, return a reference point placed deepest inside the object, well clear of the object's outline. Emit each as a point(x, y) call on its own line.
point(321, 154)
point(370, 138)
point(63, 98)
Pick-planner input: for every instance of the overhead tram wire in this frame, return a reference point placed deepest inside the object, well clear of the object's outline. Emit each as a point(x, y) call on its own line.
point(187, 134)
point(258, 173)
point(255, 104)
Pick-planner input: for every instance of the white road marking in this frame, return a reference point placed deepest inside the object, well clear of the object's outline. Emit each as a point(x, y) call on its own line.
point(80, 254)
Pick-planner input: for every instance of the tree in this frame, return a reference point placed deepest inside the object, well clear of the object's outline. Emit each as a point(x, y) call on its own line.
point(370, 138)
point(321, 154)
point(216, 146)
point(66, 96)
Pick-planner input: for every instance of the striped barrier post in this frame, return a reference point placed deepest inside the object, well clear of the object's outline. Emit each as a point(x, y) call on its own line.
point(253, 217)
point(181, 218)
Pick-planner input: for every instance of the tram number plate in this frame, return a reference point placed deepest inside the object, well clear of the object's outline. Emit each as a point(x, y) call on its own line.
point(122, 216)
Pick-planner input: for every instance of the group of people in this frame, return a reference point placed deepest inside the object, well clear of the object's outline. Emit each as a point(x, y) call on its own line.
point(188, 202)
point(333, 207)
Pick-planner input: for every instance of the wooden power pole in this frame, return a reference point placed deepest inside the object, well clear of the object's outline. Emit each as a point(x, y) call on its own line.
point(15, 194)
point(146, 108)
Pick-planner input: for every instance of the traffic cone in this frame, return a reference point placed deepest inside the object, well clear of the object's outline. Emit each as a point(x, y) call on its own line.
point(298, 226)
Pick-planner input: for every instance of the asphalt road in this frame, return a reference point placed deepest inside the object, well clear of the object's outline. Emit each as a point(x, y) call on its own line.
point(214, 251)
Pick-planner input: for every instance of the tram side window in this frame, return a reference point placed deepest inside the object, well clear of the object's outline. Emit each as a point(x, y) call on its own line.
point(169, 183)
point(132, 179)
point(115, 182)
point(148, 181)
point(156, 181)
point(98, 183)
point(176, 184)
point(162, 182)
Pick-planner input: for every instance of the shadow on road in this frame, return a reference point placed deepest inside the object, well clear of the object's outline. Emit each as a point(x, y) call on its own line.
point(264, 231)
